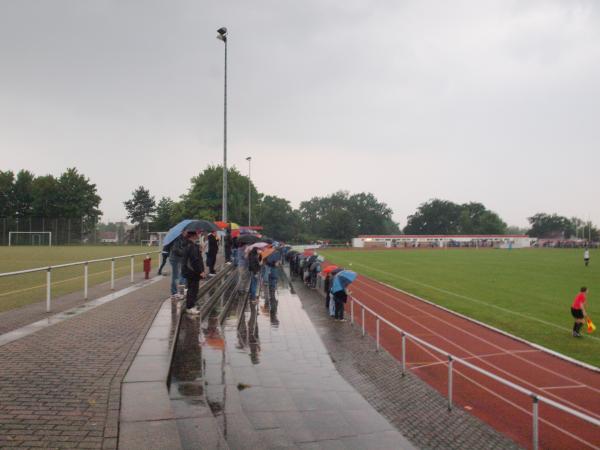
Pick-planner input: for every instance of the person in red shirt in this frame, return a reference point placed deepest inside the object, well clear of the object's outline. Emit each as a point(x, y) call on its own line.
point(578, 311)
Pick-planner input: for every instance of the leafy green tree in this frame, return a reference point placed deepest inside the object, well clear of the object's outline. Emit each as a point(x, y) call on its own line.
point(204, 200)
point(445, 217)
point(372, 216)
point(163, 219)
point(78, 197)
point(47, 200)
point(434, 217)
point(550, 226)
point(140, 208)
point(278, 218)
point(23, 194)
point(7, 200)
point(341, 216)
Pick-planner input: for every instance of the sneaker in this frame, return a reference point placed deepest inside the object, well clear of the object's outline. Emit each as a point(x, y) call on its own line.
point(576, 334)
point(193, 311)
point(212, 274)
point(341, 320)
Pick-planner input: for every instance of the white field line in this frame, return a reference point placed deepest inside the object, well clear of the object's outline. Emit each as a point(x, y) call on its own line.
point(529, 413)
point(495, 394)
point(564, 387)
point(500, 369)
point(466, 358)
point(464, 297)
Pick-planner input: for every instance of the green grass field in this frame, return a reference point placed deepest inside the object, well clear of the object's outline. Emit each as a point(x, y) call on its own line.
point(526, 292)
point(16, 291)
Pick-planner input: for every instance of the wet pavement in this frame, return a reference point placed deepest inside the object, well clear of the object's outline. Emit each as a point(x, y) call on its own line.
point(268, 381)
point(414, 407)
point(61, 385)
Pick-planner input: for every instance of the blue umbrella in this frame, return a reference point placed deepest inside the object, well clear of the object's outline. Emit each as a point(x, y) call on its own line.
point(188, 224)
point(175, 231)
point(342, 280)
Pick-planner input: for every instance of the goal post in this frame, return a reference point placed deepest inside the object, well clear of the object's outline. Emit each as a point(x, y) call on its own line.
point(30, 238)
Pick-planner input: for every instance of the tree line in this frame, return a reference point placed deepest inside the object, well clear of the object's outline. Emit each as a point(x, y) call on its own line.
point(337, 217)
point(70, 195)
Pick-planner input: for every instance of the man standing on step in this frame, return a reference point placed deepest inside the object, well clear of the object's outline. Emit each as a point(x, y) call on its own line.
point(211, 255)
point(192, 269)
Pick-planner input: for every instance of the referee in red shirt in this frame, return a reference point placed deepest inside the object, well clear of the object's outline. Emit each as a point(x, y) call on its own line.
point(578, 311)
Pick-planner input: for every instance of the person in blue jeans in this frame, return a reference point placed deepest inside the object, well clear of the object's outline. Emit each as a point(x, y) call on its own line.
point(253, 270)
point(175, 259)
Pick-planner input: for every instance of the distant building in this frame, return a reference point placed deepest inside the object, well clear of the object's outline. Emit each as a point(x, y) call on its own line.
point(108, 237)
point(442, 240)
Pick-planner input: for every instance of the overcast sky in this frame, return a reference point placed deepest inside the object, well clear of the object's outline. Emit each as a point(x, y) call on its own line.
point(489, 101)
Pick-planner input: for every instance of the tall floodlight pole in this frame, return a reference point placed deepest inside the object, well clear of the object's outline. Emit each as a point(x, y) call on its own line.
point(223, 37)
point(249, 159)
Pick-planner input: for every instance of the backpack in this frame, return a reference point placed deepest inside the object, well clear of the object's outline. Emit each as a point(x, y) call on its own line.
point(253, 262)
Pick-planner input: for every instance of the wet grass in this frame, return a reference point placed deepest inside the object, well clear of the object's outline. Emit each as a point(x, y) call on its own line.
point(17, 291)
point(526, 292)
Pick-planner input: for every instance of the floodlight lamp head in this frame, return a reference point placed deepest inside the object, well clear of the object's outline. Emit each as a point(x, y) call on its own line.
point(248, 158)
point(222, 34)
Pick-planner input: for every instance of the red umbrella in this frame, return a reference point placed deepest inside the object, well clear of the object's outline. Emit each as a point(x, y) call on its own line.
point(328, 269)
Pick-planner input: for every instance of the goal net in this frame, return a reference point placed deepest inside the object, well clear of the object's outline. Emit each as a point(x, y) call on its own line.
point(30, 238)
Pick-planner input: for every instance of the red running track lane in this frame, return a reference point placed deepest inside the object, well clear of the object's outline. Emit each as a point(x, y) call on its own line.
point(505, 409)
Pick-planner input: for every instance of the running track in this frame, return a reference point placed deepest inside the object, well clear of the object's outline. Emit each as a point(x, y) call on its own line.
point(503, 408)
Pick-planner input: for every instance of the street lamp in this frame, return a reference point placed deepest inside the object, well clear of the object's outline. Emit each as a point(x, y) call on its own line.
point(222, 35)
point(249, 159)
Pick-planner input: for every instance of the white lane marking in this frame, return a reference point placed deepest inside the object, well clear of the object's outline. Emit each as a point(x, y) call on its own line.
point(500, 369)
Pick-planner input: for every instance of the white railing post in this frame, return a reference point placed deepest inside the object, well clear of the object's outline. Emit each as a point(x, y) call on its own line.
point(351, 310)
point(48, 288)
point(363, 320)
point(112, 274)
point(377, 325)
point(403, 354)
point(535, 422)
point(85, 281)
point(132, 267)
point(450, 362)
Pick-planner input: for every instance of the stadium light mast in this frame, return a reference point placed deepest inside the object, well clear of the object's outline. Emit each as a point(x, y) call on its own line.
point(222, 35)
point(249, 159)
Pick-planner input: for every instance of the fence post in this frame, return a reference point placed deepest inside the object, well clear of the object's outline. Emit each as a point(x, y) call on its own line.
point(48, 288)
point(535, 421)
point(403, 354)
point(112, 274)
point(363, 321)
point(450, 363)
point(85, 281)
point(132, 264)
point(351, 310)
point(377, 325)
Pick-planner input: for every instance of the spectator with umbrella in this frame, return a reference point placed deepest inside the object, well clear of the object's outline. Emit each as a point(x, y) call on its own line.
point(211, 255)
point(340, 293)
point(176, 241)
point(192, 269)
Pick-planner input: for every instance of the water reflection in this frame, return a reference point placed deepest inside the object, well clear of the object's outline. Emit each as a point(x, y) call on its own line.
point(186, 372)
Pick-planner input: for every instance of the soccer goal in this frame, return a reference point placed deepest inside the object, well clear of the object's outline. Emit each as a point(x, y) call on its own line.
point(30, 238)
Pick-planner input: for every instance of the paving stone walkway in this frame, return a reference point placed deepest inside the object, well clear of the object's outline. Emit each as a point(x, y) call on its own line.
point(412, 406)
point(61, 386)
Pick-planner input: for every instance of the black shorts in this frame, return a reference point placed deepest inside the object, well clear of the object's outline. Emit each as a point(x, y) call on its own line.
point(577, 313)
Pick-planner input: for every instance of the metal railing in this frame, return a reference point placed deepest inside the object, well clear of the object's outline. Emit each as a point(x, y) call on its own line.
point(85, 264)
point(536, 398)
